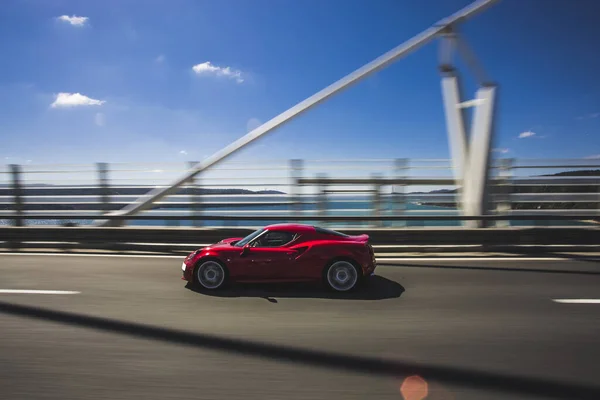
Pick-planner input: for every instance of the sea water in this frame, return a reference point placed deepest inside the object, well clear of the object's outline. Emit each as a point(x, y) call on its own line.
point(334, 206)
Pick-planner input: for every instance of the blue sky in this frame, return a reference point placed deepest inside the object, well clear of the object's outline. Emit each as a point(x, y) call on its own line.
point(134, 63)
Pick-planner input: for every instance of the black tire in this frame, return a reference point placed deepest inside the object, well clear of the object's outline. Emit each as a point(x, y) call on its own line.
point(210, 274)
point(342, 275)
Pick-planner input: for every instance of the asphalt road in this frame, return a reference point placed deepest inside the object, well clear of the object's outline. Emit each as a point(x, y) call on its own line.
point(134, 331)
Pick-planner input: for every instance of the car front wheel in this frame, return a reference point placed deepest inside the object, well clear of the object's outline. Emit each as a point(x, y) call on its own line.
point(211, 275)
point(342, 276)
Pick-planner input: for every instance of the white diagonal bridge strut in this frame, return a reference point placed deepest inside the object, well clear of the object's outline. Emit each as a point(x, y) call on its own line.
point(470, 155)
point(381, 62)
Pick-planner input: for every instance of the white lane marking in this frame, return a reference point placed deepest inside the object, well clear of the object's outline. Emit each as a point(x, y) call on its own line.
point(397, 259)
point(95, 255)
point(25, 291)
point(379, 260)
point(577, 301)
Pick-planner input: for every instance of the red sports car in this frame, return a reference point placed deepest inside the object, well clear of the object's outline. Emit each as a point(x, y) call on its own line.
point(284, 253)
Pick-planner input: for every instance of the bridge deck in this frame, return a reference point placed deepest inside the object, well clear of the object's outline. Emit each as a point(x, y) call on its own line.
point(497, 320)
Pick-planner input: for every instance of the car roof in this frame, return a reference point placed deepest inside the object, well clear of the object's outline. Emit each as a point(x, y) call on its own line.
point(303, 228)
point(291, 227)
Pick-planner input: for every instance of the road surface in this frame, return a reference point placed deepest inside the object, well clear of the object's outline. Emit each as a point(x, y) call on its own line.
point(128, 328)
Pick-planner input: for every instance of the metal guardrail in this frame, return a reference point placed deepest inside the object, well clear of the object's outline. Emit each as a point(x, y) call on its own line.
point(386, 242)
point(298, 218)
point(378, 192)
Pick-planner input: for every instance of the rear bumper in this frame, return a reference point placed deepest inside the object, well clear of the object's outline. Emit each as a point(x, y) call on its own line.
point(369, 268)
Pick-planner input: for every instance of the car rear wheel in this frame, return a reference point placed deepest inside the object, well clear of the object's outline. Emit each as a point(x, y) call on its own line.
point(342, 276)
point(211, 275)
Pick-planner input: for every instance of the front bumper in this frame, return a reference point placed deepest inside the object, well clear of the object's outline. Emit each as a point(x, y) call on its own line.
point(186, 271)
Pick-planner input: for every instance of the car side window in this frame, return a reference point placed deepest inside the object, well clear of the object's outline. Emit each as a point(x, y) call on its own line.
point(275, 239)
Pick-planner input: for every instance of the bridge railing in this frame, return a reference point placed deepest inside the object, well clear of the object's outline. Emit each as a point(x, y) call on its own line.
point(386, 242)
point(381, 193)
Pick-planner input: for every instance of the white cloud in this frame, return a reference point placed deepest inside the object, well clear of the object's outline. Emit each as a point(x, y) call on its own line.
point(503, 151)
point(183, 152)
point(75, 100)
point(207, 68)
point(100, 119)
point(160, 58)
point(526, 134)
point(594, 157)
point(74, 20)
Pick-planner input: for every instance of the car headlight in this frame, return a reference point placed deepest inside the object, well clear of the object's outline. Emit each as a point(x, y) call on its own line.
point(192, 255)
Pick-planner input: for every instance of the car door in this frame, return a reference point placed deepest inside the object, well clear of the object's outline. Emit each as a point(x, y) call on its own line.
point(271, 256)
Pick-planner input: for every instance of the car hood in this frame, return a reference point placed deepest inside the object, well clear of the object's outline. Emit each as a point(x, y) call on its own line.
point(225, 243)
point(230, 240)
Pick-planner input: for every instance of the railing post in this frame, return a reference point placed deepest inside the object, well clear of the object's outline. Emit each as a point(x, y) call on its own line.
point(17, 190)
point(104, 185)
point(195, 197)
point(296, 169)
point(598, 200)
point(377, 200)
point(322, 199)
point(401, 166)
point(503, 191)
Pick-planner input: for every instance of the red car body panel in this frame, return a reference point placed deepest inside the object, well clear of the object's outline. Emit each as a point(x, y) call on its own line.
point(302, 259)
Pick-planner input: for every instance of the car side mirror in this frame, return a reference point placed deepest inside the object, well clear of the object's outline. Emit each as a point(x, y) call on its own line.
point(245, 249)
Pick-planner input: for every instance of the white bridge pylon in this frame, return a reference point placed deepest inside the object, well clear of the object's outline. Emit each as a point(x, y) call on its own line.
point(470, 155)
point(145, 202)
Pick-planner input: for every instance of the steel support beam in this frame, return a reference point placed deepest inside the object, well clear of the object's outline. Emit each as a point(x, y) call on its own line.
point(379, 63)
point(455, 123)
point(476, 176)
point(470, 155)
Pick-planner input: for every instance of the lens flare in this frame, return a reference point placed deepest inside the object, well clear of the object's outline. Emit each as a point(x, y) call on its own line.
point(414, 388)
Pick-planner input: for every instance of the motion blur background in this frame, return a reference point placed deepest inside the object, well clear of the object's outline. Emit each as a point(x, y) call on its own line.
point(488, 250)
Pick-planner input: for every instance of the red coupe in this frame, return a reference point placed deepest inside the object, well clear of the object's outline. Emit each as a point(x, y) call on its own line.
point(284, 253)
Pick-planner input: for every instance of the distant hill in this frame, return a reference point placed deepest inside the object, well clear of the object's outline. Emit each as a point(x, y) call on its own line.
point(588, 172)
point(75, 190)
point(439, 191)
point(72, 190)
point(560, 189)
point(541, 189)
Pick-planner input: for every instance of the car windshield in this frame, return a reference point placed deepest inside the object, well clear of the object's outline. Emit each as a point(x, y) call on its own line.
point(248, 238)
